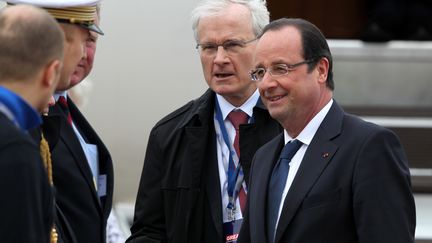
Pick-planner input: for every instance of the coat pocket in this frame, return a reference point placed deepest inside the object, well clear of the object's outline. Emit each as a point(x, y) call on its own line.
point(322, 199)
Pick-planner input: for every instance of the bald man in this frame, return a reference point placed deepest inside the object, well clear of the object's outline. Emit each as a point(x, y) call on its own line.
point(31, 53)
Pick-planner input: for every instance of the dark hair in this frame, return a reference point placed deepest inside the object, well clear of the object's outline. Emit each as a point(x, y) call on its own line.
point(28, 41)
point(314, 43)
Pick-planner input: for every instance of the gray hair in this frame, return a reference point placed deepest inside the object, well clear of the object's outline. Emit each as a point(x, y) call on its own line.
point(260, 16)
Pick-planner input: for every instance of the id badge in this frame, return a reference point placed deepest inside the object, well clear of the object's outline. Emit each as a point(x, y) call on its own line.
point(232, 230)
point(102, 185)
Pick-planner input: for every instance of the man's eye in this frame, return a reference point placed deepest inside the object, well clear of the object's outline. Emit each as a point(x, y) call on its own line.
point(232, 45)
point(260, 72)
point(279, 69)
point(208, 47)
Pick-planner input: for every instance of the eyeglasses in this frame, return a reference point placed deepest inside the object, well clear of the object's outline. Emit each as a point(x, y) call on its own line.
point(276, 70)
point(230, 46)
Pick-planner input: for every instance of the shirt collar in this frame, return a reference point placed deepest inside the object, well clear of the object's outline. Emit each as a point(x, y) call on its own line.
point(247, 107)
point(307, 134)
point(18, 110)
point(60, 93)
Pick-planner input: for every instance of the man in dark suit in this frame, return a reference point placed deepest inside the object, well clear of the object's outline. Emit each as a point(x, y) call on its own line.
point(82, 165)
point(79, 95)
point(31, 54)
point(189, 191)
point(348, 181)
point(83, 169)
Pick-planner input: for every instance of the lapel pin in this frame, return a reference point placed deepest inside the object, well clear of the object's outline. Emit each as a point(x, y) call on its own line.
point(325, 155)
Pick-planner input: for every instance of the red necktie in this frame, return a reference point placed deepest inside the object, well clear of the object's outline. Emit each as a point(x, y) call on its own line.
point(237, 117)
point(65, 107)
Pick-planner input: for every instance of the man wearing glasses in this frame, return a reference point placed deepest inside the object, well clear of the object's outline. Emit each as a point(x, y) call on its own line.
point(330, 177)
point(193, 184)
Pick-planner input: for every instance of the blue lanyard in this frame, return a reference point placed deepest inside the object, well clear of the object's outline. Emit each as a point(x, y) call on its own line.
point(235, 174)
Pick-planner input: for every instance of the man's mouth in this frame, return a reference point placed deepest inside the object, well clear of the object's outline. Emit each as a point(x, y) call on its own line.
point(275, 98)
point(223, 75)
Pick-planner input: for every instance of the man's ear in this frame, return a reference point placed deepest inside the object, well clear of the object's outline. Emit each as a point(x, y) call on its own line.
point(323, 68)
point(51, 73)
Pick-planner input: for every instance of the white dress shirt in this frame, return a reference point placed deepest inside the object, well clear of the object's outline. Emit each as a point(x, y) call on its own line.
point(305, 136)
point(223, 150)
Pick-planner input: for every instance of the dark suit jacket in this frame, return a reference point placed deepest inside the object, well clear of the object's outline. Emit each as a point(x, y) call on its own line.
point(26, 204)
point(76, 196)
point(353, 185)
point(179, 197)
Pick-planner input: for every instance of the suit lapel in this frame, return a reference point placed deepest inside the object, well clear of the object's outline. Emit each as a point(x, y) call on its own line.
point(204, 157)
point(255, 135)
point(203, 165)
point(263, 166)
point(69, 138)
point(247, 147)
point(318, 155)
point(104, 158)
point(51, 130)
point(213, 185)
point(314, 162)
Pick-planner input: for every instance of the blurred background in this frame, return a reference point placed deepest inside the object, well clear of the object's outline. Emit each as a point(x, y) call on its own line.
point(146, 66)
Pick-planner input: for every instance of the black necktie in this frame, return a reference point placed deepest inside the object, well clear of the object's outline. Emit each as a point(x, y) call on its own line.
point(65, 107)
point(277, 185)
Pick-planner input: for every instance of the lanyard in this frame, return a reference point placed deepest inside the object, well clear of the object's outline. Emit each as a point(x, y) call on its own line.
point(235, 173)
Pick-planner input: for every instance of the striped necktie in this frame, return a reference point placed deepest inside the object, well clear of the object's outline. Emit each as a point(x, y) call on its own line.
point(237, 117)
